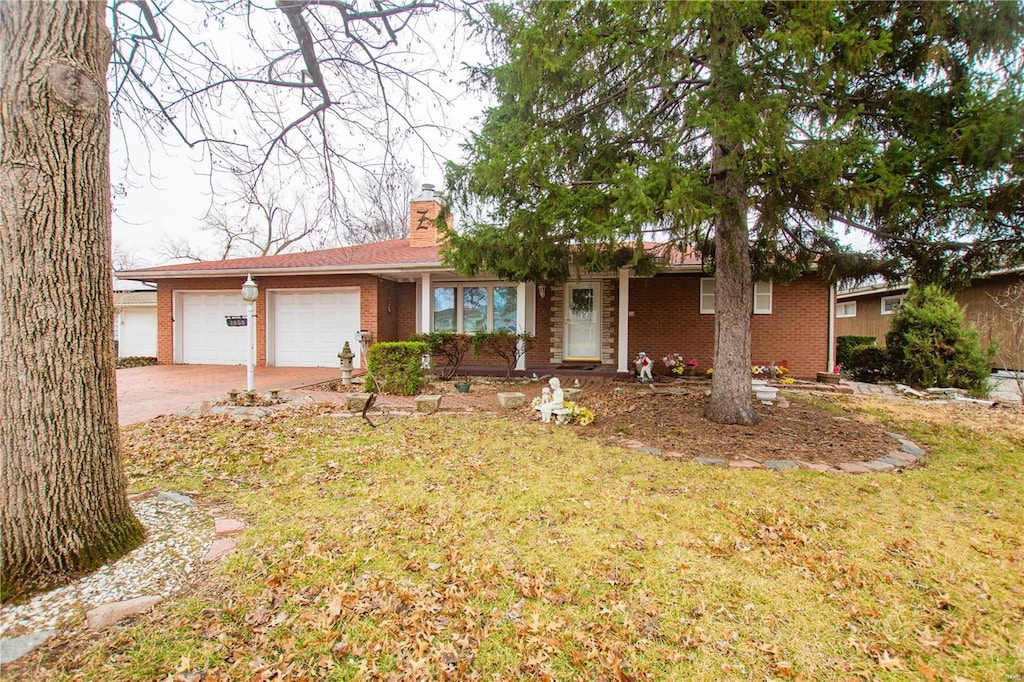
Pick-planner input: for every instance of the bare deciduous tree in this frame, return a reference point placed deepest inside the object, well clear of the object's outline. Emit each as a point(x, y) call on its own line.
point(381, 210)
point(312, 85)
point(1008, 326)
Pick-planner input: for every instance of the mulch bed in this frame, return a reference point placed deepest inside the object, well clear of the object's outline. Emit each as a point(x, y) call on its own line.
point(669, 416)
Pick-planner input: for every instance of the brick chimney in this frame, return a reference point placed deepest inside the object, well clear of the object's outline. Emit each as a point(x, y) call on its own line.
point(423, 212)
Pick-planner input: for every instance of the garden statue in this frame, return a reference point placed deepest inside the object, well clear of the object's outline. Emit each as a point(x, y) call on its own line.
point(556, 401)
point(643, 367)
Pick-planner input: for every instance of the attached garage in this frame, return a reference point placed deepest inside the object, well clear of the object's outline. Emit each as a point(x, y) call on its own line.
point(310, 327)
point(202, 334)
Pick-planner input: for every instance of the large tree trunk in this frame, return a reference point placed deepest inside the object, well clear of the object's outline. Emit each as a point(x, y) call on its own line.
point(64, 508)
point(731, 401)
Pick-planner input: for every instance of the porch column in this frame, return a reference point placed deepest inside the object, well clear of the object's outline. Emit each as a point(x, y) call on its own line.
point(623, 342)
point(426, 292)
point(521, 318)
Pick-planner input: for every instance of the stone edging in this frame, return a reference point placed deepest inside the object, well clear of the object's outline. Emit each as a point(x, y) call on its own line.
point(908, 454)
point(105, 615)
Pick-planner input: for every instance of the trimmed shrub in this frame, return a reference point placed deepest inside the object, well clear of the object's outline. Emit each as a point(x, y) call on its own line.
point(396, 367)
point(135, 361)
point(868, 363)
point(506, 345)
point(930, 344)
point(846, 344)
point(450, 346)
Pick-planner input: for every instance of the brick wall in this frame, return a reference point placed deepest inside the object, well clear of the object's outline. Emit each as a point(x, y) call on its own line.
point(372, 308)
point(667, 319)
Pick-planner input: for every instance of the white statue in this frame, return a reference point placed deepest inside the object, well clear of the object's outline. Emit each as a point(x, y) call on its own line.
point(643, 367)
point(556, 401)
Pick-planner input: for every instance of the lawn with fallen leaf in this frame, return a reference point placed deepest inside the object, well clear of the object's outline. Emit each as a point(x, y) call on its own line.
point(465, 548)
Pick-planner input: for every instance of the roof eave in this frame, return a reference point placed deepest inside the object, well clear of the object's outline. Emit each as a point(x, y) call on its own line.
point(146, 275)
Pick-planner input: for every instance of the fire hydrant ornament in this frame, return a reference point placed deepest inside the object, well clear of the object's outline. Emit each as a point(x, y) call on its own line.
point(345, 356)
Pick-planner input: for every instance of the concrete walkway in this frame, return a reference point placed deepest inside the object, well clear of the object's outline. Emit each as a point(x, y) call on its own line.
point(147, 392)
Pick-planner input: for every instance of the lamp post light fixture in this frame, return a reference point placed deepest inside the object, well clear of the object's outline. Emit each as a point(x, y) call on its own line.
point(250, 292)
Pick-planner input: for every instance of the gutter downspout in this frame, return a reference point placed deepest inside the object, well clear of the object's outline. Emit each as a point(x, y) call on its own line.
point(831, 328)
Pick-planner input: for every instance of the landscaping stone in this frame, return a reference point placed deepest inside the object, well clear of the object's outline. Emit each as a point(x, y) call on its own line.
point(896, 462)
point(879, 465)
point(144, 495)
point(13, 648)
point(633, 444)
point(895, 436)
point(512, 400)
point(781, 402)
point(223, 527)
point(853, 468)
point(356, 402)
point(818, 466)
point(108, 614)
point(176, 498)
point(219, 548)
point(912, 449)
point(650, 450)
point(780, 464)
point(901, 456)
point(712, 461)
point(745, 464)
point(427, 404)
point(572, 394)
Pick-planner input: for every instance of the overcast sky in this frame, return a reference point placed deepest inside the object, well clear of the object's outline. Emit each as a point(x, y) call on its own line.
point(163, 189)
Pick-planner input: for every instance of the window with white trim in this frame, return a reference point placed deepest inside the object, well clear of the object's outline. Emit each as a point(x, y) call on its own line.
point(891, 304)
point(707, 296)
point(846, 309)
point(472, 308)
point(762, 297)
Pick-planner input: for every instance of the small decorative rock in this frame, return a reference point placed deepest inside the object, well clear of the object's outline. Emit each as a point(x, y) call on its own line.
point(219, 548)
point(355, 402)
point(912, 449)
point(879, 465)
point(650, 450)
point(818, 466)
point(176, 498)
point(779, 464)
point(222, 527)
point(853, 468)
point(428, 403)
point(895, 461)
point(13, 648)
point(513, 400)
point(108, 614)
point(900, 456)
point(745, 464)
point(711, 461)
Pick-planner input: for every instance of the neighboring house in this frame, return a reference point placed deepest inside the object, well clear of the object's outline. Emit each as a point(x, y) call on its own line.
point(311, 303)
point(867, 311)
point(135, 318)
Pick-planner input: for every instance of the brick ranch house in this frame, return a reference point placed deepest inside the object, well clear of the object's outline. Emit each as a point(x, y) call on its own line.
point(311, 303)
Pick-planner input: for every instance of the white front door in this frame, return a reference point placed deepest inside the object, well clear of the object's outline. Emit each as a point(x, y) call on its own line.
point(582, 321)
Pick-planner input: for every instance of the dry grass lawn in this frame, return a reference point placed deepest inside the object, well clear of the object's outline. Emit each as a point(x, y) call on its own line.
point(482, 548)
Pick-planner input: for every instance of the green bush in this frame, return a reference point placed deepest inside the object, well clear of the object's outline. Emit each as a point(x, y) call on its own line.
point(503, 344)
point(868, 363)
point(930, 344)
point(135, 361)
point(846, 344)
point(450, 346)
point(396, 367)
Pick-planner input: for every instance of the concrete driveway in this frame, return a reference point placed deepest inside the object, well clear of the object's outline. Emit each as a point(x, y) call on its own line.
point(147, 392)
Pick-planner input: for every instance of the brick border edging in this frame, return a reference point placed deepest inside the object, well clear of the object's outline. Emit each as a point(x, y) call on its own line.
point(908, 454)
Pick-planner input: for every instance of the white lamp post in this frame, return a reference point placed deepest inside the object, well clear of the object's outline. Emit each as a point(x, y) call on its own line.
point(250, 292)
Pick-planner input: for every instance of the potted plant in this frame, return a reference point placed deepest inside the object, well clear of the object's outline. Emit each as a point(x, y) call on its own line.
point(462, 384)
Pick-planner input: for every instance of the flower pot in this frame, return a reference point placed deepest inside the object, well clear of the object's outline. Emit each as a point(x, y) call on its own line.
point(755, 383)
point(766, 394)
point(828, 378)
point(462, 387)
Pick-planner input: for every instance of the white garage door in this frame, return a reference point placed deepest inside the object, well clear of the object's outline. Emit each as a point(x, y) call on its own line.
point(136, 332)
point(206, 339)
point(310, 327)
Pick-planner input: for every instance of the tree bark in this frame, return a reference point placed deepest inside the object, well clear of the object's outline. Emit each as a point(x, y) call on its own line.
point(730, 401)
point(64, 508)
